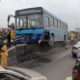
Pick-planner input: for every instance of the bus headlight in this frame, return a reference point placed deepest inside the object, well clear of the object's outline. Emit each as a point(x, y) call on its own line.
point(39, 41)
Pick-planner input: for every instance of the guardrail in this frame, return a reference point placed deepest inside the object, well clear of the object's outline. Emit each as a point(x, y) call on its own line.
point(24, 52)
point(17, 54)
point(21, 53)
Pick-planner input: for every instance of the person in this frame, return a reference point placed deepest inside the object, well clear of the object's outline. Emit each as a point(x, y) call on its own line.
point(9, 38)
point(75, 73)
point(0, 48)
point(4, 54)
point(77, 62)
point(12, 34)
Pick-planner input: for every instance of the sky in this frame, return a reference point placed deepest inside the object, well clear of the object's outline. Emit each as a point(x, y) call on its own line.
point(66, 10)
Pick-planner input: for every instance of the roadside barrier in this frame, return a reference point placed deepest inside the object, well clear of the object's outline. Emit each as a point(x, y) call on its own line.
point(17, 54)
point(21, 53)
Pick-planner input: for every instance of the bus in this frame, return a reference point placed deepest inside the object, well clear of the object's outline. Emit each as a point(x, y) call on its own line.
point(39, 25)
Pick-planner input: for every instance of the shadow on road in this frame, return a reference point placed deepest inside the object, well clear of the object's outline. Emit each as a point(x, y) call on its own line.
point(43, 59)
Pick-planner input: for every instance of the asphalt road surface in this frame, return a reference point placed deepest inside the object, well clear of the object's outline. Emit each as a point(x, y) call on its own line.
point(55, 67)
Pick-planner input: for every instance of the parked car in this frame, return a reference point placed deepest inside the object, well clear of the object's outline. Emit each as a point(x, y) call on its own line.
point(17, 73)
point(76, 49)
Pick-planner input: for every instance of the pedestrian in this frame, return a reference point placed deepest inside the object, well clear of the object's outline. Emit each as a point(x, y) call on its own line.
point(3, 36)
point(12, 34)
point(75, 74)
point(9, 38)
point(4, 54)
point(0, 53)
point(77, 62)
point(0, 50)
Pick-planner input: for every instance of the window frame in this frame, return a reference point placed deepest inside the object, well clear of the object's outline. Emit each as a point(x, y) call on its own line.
point(55, 22)
point(13, 75)
point(51, 21)
point(25, 21)
point(47, 21)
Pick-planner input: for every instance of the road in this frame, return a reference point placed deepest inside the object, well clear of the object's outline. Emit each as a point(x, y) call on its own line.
point(55, 67)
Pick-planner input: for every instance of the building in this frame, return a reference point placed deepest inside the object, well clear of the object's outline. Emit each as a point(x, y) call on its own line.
point(72, 35)
point(77, 30)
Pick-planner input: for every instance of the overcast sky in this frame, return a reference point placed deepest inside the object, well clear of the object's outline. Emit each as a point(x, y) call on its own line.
point(67, 10)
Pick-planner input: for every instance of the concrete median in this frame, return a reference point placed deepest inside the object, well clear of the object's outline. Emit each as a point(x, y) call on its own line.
point(17, 54)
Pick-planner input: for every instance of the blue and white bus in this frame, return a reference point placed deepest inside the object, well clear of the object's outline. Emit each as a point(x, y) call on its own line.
point(38, 25)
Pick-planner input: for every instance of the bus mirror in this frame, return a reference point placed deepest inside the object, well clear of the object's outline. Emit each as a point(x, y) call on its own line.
point(8, 19)
point(11, 25)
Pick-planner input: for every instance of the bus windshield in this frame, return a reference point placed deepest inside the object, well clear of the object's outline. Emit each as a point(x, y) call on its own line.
point(29, 21)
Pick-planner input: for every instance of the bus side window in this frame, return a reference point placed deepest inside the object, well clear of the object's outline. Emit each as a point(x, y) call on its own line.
point(55, 22)
point(47, 21)
point(51, 21)
point(59, 24)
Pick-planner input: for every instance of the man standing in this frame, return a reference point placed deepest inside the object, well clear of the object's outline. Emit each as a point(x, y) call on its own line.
point(75, 74)
point(9, 38)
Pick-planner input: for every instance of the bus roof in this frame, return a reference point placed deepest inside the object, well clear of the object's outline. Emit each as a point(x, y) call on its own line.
point(29, 11)
point(53, 15)
point(36, 10)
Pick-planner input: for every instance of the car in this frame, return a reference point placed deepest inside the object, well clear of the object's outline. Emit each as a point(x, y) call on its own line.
point(17, 73)
point(76, 49)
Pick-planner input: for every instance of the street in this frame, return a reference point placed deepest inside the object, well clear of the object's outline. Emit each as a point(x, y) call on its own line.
point(55, 67)
point(39, 36)
point(54, 64)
